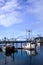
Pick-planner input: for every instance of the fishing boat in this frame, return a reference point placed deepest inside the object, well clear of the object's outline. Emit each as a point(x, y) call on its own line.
point(38, 44)
point(30, 45)
point(7, 47)
point(3, 48)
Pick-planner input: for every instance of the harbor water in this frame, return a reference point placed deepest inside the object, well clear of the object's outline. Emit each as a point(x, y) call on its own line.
point(23, 57)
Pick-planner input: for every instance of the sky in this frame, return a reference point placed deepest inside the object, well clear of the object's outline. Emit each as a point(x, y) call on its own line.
point(17, 16)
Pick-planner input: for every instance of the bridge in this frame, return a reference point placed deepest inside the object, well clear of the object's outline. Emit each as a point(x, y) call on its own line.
point(14, 41)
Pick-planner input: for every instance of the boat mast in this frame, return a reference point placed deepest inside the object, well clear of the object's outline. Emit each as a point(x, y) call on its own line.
point(29, 34)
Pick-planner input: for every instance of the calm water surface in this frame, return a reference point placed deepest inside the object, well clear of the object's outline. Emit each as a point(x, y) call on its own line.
point(23, 57)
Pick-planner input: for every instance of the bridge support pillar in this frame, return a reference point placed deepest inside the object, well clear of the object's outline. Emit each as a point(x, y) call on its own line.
point(16, 45)
point(21, 45)
point(13, 44)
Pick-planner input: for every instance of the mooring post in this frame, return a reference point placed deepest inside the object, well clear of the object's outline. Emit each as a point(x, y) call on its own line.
point(13, 56)
point(35, 45)
point(16, 45)
point(21, 48)
point(21, 45)
point(5, 52)
point(13, 44)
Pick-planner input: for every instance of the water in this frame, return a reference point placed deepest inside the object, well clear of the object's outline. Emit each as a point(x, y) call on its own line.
point(23, 57)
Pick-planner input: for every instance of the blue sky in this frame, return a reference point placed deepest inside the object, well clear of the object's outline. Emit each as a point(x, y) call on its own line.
point(18, 15)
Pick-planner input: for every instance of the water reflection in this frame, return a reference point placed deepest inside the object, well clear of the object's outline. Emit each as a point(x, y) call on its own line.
point(31, 52)
point(23, 57)
point(11, 55)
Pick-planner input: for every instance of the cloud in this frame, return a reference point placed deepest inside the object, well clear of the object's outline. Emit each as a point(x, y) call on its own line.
point(13, 11)
point(36, 8)
point(9, 20)
point(8, 14)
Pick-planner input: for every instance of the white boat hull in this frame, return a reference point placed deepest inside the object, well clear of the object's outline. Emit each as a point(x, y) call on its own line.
point(3, 48)
point(29, 46)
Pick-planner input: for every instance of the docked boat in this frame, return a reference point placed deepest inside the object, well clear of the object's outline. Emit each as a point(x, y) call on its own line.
point(3, 48)
point(38, 44)
point(31, 45)
point(8, 47)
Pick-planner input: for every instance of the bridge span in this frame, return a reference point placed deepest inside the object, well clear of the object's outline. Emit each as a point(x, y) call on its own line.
point(14, 41)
